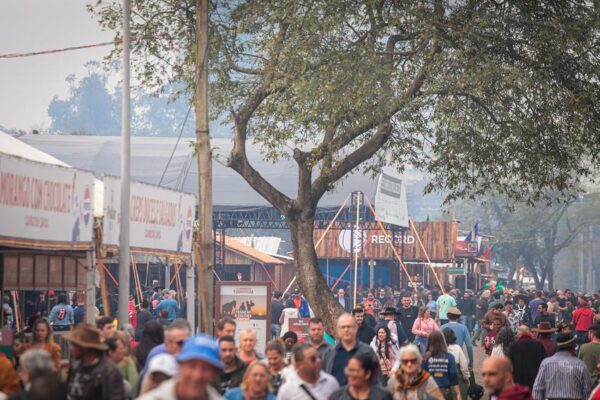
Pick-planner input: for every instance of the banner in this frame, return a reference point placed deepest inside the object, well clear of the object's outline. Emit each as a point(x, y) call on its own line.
point(300, 327)
point(438, 238)
point(159, 219)
point(390, 198)
point(463, 248)
point(249, 304)
point(43, 205)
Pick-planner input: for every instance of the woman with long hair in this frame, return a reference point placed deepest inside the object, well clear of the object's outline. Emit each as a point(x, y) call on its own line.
point(119, 352)
point(386, 348)
point(361, 372)
point(461, 361)
point(153, 334)
point(42, 338)
point(410, 381)
point(422, 327)
point(256, 384)
point(437, 359)
point(504, 339)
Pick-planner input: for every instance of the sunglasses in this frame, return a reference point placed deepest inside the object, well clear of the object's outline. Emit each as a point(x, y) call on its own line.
point(410, 361)
point(180, 343)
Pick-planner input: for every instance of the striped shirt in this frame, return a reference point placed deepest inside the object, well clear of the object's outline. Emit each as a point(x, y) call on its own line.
point(562, 376)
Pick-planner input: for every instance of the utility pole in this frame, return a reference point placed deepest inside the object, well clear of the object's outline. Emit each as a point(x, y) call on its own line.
point(123, 312)
point(203, 244)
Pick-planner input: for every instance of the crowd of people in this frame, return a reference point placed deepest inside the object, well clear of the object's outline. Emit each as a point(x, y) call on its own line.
point(417, 345)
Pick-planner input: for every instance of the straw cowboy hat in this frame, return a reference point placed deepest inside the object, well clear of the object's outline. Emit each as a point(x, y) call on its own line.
point(486, 294)
point(87, 337)
point(544, 327)
point(454, 311)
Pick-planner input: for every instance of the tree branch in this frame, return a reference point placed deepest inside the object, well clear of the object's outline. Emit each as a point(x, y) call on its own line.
point(354, 159)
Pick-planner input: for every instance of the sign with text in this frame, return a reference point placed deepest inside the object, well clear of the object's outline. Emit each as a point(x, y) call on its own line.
point(390, 198)
point(249, 304)
point(300, 327)
point(464, 248)
point(438, 238)
point(42, 204)
point(160, 219)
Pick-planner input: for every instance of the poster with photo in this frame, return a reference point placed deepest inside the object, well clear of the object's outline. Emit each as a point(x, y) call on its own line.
point(300, 327)
point(249, 304)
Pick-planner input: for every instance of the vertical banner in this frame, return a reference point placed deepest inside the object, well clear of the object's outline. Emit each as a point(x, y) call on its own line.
point(249, 304)
point(390, 198)
point(160, 219)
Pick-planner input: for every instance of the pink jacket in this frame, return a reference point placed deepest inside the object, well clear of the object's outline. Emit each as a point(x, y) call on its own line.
point(423, 327)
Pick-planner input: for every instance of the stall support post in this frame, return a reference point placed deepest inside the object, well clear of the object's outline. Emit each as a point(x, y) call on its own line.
point(167, 272)
point(190, 284)
point(90, 288)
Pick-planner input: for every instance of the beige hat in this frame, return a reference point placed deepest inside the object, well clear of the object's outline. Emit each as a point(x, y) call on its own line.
point(86, 336)
point(454, 311)
point(486, 294)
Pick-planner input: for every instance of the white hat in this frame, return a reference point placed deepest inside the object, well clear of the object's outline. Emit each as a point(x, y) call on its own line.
point(164, 363)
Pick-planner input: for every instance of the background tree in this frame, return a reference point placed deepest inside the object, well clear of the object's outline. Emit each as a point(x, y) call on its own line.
point(90, 107)
point(93, 107)
point(480, 94)
point(531, 235)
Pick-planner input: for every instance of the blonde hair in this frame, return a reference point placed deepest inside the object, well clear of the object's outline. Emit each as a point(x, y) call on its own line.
point(253, 365)
point(248, 331)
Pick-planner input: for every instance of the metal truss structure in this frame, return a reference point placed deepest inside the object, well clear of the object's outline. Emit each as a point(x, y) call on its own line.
point(271, 218)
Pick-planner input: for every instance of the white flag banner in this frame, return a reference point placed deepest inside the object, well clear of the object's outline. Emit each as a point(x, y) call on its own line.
point(390, 199)
point(44, 204)
point(160, 219)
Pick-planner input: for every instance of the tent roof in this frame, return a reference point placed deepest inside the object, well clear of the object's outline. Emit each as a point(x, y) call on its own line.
point(150, 155)
point(258, 256)
point(15, 147)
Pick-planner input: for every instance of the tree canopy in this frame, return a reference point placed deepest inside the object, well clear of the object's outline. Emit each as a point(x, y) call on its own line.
point(482, 95)
point(479, 94)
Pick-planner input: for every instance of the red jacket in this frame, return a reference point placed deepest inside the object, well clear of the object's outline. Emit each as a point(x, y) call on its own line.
point(583, 318)
point(517, 392)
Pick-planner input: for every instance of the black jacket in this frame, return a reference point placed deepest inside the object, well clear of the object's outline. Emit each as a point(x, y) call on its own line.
point(407, 317)
point(327, 364)
point(526, 356)
point(365, 333)
point(467, 306)
point(103, 381)
point(376, 393)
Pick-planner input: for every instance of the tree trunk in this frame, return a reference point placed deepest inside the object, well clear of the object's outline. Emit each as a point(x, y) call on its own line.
point(312, 283)
point(204, 237)
point(550, 273)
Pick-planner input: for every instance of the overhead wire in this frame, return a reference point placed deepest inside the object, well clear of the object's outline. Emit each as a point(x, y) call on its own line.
point(176, 144)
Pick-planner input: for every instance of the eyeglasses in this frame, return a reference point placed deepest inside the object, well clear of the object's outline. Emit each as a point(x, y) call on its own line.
point(410, 361)
point(180, 343)
point(313, 359)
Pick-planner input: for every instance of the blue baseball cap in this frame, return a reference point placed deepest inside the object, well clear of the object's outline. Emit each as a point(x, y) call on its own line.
point(200, 347)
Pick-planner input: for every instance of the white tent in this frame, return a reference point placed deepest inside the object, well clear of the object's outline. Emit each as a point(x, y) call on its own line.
point(15, 147)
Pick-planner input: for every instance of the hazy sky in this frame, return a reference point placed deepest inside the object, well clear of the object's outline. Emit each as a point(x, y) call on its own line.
point(28, 84)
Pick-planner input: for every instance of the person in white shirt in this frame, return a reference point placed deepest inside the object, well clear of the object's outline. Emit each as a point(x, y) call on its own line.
point(309, 382)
